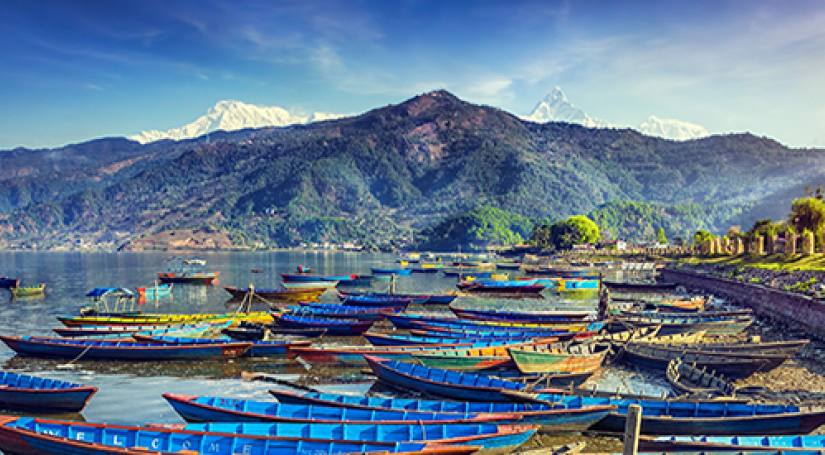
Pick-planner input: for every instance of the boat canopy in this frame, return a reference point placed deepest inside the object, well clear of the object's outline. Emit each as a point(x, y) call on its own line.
point(117, 292)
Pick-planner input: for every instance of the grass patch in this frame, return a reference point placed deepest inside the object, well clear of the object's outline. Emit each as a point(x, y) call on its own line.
point(799, 262)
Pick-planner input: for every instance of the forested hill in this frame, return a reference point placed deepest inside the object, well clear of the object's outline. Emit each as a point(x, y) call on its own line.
point(382, 177)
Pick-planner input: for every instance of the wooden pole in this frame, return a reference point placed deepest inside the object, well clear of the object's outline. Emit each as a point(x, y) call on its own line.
point(632, 428)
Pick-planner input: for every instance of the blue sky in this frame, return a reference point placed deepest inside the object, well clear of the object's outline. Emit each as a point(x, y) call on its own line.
point(76, 70)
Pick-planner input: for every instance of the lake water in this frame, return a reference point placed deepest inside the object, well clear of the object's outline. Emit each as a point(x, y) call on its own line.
point(131, 392)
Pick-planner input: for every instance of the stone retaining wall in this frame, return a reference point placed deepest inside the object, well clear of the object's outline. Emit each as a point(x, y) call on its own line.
point(802, 311)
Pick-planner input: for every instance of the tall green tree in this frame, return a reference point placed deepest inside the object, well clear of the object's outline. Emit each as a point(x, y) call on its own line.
point(807, 213)
point(661, 237)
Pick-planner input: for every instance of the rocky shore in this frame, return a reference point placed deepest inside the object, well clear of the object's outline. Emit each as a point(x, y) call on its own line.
point(806, 282)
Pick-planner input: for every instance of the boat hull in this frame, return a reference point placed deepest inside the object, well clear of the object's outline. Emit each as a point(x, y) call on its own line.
point(128, 351)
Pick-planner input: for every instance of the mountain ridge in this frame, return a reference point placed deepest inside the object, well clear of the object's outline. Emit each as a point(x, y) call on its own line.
point(383, 177)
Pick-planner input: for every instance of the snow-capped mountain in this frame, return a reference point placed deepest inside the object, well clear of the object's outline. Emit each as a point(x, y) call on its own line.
point(679, 130)
point(230, 115)
point(555, 107)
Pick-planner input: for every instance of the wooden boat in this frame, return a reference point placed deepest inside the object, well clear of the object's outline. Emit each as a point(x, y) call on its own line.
point(414, 339)
point(508, 265)
point(357, 281)
point(429, 322)
point(576, 284)
point(701, 417)
point(516, 327)
point(120, 350)
point(523, 316)
point(28, 291)
point(658, 416)
point(687, 378)
point(472, 359)
point(188, 271)
point(678, 305)
point(305, 277)
point(420, 299)
point(333, 326)
point(788, 348)
point(251, 332)
point(741, 444)
point(167, 319)
point(37, 436)
point(266, 295)
point(461, 333)
point(563, 272)
point(734, 365)
point(374, 300)
point(325, 310)
point(441, 382)
point(354, 355)
point(563, 417)
point(220, 409)
point(259, 348)
point(500, 287)
point(8, 283)
point(127, 330)
point(22, 392)
point(616, 286)
point(488, 438)
point(309, 284)
point(670, 325)
point(649, 335)
point(401, 271)
point(573, 359)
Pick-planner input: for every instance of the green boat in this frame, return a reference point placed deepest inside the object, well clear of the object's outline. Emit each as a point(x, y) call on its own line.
point(536, 361)
point(28, 291)
point(474, 359)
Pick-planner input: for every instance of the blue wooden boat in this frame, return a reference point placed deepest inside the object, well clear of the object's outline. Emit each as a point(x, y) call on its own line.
point(462, 334)
point(362, 281)
point(658, 416)
point(8, 283)
point(221, 409)
point(36, 436)
point(562, 417)
point(333, 326)
point(761, 444)
point(489, 438)
point(21, 392)
point(420, 299)
point(303, 277)
point(454, 324)
point(391, 271)
point(385, 339)
point(121, 350)
point(260, 348)
point(326, 310)
point(523, 316)
point(379, 301)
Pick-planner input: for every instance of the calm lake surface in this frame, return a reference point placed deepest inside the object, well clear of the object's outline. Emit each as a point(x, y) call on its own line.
point(131, 392)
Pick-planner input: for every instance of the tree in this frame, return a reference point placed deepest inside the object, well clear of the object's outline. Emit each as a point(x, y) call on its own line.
point(701, 236)
point(808, 213)
point(541, 236)
point(577, 229)
point(661, 238)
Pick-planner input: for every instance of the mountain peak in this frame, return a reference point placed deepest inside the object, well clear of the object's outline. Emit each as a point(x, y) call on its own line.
point(231, 115)
point(555, 107)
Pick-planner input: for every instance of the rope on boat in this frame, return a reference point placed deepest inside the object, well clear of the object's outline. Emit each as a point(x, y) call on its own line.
point(70, 363)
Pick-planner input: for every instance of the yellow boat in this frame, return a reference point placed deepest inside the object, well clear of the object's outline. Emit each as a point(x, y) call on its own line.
point(157, 319)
